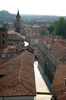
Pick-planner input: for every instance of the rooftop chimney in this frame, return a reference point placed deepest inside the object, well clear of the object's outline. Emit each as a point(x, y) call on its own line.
point(52, 40)
point(46, 41)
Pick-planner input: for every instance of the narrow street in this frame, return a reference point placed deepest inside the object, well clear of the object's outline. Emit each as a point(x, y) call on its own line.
point(43, 85)
point(26, 43)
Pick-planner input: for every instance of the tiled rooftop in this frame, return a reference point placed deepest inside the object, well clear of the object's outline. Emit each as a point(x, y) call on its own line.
point(3, 60)
point(30, 49)
point(3, 50)
point(14, 37)
point(12, 32)
point(19, 76)
point(38, 29)
point(59, 84)
point(63, 42)
point(8, 50)
point(11, 49)
point(57, 49)
point(35, 45)
point(32, 35)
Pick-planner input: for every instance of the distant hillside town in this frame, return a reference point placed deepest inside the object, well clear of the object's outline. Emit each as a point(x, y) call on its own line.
point(19, 78)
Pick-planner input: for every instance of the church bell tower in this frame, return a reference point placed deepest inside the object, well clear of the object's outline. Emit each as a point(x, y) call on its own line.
point(3, 37)
point(17, 23)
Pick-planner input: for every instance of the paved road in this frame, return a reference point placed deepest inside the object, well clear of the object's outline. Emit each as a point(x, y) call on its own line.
point(43, 85)
point(26, 43)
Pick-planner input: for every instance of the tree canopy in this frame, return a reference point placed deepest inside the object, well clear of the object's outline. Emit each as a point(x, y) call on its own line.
point(59, 27)
point(42, 32)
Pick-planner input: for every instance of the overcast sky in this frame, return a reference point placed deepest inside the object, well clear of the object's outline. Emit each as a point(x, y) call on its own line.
point(43, 7)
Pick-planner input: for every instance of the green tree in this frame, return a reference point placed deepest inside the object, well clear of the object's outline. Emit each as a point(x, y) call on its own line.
point(42, 32)
point(55, 25)
point(51, 28)
point(59, 27)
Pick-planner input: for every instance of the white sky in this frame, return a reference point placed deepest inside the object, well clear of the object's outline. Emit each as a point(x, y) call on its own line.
point(43, 7)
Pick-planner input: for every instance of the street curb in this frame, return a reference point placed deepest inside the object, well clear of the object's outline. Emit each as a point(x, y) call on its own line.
point(46, 93)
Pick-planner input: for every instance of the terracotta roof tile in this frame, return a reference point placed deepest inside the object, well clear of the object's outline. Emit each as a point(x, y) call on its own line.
point(15, 37)
point(11, 49)
point(35, 45)
point(12, 32)
point(63, 42)
point(7, 50)
point(30, 49)
point(32, 35)
point(57, 49)
point(19, 76)
point(2, 60)
point(3, 50)
point(58, 83)
point(38, 29)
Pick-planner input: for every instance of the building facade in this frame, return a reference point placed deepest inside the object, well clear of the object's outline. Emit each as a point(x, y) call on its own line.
point(51, 54)
point(33, 38)
point(15, 38)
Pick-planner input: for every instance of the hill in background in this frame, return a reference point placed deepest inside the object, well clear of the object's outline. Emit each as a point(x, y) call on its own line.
point(8, 17)
point(5, 15)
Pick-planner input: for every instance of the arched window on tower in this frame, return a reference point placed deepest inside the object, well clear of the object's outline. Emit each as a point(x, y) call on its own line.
point(3, 34)
point(3, 42)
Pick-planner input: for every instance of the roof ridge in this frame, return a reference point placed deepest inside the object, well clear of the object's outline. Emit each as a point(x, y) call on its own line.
point(24, 86)
point(20, 67)
point(61, 45)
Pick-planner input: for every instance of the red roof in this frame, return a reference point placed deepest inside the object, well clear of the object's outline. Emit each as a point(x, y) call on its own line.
point(3, 50)
point(11, 49)
point(8, 50)
point(59, 85)
point(19, 76)
point(12, 35)
point(35, 45)
point(57, 49)
point(38, 29)
point(12, 32)
point(32, 35)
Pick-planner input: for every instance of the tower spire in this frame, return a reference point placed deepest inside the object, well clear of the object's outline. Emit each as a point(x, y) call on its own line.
point(18, 15)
